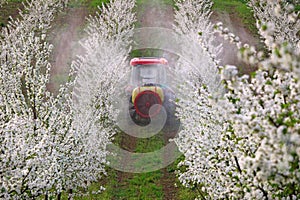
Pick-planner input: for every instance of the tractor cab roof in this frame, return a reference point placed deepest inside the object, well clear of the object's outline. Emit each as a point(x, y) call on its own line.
point(148, 61)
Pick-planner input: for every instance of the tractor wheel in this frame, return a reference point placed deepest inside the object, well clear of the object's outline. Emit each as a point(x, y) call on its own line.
point(144, 101)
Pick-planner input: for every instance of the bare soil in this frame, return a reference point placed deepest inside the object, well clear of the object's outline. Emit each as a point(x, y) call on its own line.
point(235, 25)
point(155, 14)
point(65, 34)
point(10, 9)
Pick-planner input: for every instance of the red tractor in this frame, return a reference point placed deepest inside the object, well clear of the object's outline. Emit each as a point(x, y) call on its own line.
point(148, 87)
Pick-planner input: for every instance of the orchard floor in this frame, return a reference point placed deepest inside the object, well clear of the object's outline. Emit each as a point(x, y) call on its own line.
point(235, 25)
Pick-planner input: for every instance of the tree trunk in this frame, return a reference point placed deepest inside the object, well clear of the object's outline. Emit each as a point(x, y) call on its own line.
point(59, 196)
point(70, 194)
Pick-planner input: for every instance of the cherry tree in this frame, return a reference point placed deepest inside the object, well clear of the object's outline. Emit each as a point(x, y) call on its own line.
point(264, 116)
point(245, 145)
point(51, 144)
point(97, 76)
point(27, 123)
point(199, 83)
point(198, 46)
point(280, 19)
point(265, 126)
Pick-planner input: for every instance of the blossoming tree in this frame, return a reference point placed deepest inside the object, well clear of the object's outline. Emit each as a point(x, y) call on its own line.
point(27, 124)
point(246, 145)
point(201, 123)
point(280, 19)
point(265, 113)
point(51, 144)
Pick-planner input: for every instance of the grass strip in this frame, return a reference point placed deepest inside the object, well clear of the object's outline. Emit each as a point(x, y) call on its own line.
point(240, 7)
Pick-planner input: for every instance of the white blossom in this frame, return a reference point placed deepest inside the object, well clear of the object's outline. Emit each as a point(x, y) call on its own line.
point(245, 145)
point(278, 22)
point(51, 144)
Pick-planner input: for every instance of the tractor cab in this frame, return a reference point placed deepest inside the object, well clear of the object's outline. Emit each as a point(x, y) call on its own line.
point(147, 88)
point(148, 71)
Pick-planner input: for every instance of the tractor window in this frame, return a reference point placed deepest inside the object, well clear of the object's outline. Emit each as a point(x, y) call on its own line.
point(148, 74)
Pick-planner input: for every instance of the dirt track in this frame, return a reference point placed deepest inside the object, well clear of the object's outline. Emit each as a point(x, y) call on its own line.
point(236, 26)
point(66, 31)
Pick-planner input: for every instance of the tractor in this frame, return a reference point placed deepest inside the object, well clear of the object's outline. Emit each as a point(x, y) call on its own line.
point(148, 87)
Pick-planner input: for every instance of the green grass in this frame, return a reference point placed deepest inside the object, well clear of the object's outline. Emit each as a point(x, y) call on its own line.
point(144, 186)
point(240, 7)
point(146, 53)
point(183, 193)
point(133, 186)
point(96, 3)
point(92, 5)
point(140, 186)
point(186, 193)
point(110, 182)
